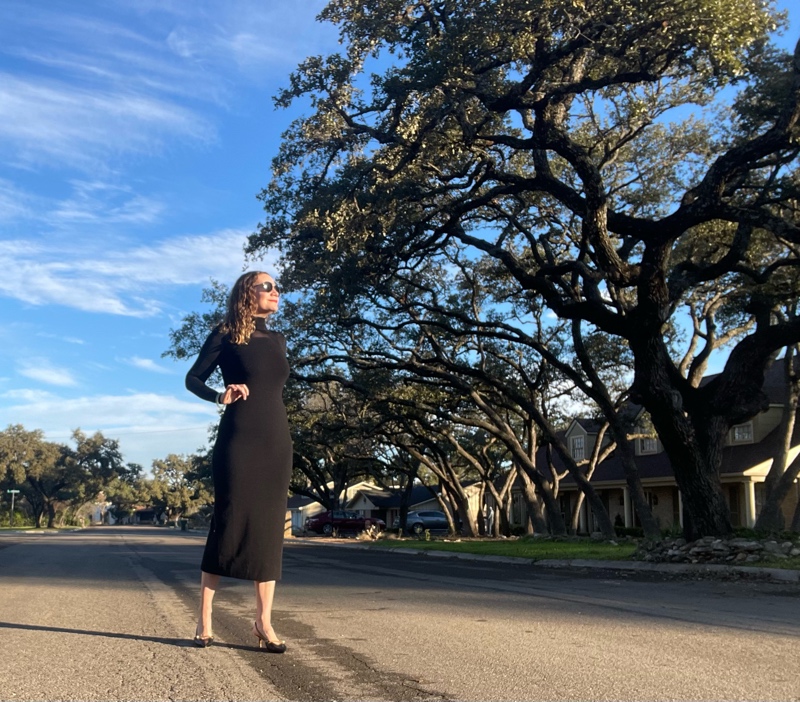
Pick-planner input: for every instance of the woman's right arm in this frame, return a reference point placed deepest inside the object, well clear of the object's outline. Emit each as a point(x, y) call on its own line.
point(207, 360)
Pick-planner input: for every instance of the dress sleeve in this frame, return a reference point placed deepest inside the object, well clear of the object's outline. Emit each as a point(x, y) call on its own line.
point(207, 360)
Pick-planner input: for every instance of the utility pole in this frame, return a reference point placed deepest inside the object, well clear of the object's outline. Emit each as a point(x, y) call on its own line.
point(13, 495)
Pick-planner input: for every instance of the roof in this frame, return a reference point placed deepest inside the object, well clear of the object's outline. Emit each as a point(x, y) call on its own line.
point(386, 499)
point(736, 459)
point(297, 501)
point(774, 386)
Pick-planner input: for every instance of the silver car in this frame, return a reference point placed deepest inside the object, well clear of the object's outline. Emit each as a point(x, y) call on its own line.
point(418, 522)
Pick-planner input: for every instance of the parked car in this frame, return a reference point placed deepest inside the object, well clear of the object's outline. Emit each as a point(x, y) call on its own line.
point(417, 522)
point(341, 520)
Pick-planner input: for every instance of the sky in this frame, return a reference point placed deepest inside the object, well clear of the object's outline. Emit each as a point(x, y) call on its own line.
point(134, 138)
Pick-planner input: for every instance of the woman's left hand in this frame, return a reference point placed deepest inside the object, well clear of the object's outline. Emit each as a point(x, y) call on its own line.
point(235, 392)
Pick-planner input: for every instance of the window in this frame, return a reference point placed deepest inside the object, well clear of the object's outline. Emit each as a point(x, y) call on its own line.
point(577, 448)
point(743, 433)
point(649, 444)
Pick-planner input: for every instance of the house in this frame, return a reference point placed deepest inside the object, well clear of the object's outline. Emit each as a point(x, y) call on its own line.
point(302, 507)
point(372, 501)
point(747, 457)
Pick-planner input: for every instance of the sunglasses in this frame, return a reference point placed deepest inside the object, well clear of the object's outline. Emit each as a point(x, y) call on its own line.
point(267, 287)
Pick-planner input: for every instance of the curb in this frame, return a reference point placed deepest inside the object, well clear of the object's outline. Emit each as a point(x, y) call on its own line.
point(776, 574)
point(772, 574)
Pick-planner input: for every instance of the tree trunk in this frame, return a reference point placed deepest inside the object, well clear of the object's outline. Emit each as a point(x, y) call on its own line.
point(693, 436)
point(782, 474)
point(404, 499)
point(771, 516)
point(575, 517)
point(598, 508)
point(469, 520)
point(697, 475)
point(796, 519)
point(627, 457)
point(535, 522)
point(51, 515)
point(555, 523)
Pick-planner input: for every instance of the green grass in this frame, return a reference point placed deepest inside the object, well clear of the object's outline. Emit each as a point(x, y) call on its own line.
point(535, 550)
point(792, 563)
point(545, 549)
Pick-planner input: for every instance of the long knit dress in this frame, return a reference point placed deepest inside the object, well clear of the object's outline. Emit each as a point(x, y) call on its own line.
point(252, 456)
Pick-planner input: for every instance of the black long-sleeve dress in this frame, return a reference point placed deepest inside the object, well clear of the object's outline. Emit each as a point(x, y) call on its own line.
point(252, 456)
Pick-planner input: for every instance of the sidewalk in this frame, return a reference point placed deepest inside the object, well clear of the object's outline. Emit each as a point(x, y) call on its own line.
point(771, 574)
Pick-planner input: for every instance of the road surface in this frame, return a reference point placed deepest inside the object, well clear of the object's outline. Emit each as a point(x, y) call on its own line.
point(108, 614)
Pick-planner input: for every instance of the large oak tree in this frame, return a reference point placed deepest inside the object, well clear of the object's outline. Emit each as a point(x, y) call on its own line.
point(565, 141)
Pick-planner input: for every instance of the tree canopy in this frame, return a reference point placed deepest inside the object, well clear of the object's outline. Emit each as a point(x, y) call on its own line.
point(615, 162)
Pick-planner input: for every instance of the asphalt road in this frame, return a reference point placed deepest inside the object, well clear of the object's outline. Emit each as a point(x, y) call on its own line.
point(107, 614)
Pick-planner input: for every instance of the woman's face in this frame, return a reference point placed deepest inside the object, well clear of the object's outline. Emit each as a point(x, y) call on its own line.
point(266, 302)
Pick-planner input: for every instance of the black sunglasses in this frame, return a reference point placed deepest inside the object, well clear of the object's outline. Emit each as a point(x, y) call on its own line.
point(268, 287)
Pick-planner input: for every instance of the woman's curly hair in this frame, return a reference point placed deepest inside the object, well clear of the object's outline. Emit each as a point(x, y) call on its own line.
point(239, 322)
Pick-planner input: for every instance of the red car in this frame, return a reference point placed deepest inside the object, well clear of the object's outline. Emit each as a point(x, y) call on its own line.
point(341, 520)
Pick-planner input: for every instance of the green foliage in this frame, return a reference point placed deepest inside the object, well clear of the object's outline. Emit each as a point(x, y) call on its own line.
point(561, 146)
point(55, 478)
point(175, 487)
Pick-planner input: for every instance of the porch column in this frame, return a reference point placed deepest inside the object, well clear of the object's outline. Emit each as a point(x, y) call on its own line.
point(680, 508)
point(750, 503)
point(627, 507)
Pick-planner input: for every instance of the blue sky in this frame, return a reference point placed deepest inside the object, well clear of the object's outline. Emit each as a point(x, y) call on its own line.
point(134, 137)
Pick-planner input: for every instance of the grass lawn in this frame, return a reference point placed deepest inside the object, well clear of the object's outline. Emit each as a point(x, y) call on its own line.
point(542, 549)
point(535, 550)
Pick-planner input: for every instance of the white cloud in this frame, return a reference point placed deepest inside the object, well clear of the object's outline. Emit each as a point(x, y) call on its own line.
point(65, 339)
point(15, 204)
point(43, 121)
point(147, 364)
point(45, 372)
point(154, 425)
point(93, 82)
point(98, 202)
point(253, 36)
point(127, 282)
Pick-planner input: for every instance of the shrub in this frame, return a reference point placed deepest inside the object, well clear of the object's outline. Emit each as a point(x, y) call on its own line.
point(628, 531)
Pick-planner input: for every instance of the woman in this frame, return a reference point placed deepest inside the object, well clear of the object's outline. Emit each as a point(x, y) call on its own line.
point(252, 456)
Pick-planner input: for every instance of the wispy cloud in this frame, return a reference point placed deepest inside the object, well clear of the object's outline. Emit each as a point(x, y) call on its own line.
point(15, 204)
point(104, 80)
point(42, 121)
point(65, 339)
point(44, 371)
point(127, 281)
point(147, 364)
point(99, 202)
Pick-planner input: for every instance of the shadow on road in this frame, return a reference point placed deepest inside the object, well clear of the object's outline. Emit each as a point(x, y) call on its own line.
point(183, 643)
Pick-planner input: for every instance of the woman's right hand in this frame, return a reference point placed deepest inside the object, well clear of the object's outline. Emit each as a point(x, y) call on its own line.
point(233, 393)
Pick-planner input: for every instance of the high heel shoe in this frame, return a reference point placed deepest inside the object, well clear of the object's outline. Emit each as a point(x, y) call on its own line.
point(202, 641)
point(264, 642)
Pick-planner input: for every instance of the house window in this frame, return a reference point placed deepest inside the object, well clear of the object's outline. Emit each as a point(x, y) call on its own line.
point(577, 448)
point(648, 444)
point(743, 433)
